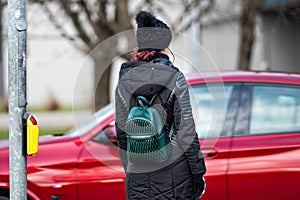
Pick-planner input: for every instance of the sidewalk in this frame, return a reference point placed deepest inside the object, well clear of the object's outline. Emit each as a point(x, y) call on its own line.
point(53, 119)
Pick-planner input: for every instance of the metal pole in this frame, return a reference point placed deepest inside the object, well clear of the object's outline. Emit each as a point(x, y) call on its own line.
point(17, 96)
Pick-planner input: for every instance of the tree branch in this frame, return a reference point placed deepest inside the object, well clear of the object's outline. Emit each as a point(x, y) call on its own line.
point(88, 14)
point(104, 27)
point(77, 25)
point(187, 6)
point(60, 28)
point(198, 13)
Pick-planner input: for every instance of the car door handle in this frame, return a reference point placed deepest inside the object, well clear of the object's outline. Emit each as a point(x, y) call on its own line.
point(209, 151)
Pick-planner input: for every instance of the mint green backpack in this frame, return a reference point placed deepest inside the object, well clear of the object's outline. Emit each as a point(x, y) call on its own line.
point(147, 140)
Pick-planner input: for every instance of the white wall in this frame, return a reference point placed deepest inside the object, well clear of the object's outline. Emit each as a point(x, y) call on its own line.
point(281, 42)
point(221, 42)
point(54, 65)
point(276, 46)
point(220, 36)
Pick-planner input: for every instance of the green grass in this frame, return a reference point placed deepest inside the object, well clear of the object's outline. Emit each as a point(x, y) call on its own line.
point(43, 131)
point(60, 108)
point(3, 134)
point(44, 109)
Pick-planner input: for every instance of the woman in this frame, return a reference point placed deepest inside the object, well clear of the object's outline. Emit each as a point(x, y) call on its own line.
point(152, 75)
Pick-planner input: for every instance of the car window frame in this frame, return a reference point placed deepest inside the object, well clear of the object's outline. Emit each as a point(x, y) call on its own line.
point(231, 113)
point(241, 126)
point(243, 119)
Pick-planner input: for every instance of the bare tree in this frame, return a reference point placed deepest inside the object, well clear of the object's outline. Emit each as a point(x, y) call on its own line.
point(96, 20)
point(249, 11)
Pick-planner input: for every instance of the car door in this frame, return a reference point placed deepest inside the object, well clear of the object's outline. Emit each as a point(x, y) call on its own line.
point(214, 109)
point(264, 161)
point(100, 172)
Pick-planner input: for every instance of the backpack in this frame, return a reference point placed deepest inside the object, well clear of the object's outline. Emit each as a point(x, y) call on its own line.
point(147, 140)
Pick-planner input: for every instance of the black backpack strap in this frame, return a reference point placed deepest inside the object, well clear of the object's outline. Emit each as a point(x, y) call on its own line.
point(169, 101)
point(142, 101)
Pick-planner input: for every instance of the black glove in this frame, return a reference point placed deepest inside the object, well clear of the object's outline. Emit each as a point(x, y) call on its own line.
point(199, 186)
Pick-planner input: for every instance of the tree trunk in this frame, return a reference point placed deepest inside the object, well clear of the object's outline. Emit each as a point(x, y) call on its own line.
point(103, 56)
point(250, 9)
point(102, 86)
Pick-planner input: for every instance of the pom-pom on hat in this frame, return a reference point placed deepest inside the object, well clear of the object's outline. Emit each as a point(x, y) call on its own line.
point(152, 34)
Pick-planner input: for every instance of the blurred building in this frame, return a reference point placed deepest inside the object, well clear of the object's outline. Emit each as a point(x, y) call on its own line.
point(54, 64)
point(281, 34)
point(277, 36)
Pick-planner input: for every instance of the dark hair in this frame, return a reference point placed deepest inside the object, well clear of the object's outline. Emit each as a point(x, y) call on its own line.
point(143, 55)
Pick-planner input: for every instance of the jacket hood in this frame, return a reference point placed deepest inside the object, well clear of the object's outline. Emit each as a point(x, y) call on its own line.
point(147, 78)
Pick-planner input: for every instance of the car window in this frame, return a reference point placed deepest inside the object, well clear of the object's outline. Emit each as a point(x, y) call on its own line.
point(107, 136)
point(93, 121)
point(275, 109)
point(210, 103)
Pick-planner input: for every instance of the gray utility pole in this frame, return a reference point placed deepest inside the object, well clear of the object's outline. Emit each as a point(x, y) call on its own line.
point(17, 97)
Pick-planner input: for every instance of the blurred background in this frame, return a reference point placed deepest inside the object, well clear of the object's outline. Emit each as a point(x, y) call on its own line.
point(63, 36)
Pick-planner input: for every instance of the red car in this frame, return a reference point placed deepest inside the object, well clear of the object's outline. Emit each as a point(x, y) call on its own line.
point(249, 129)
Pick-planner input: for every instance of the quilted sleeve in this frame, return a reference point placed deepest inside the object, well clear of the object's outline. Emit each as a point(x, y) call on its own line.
point(120, 124)
point(185, 127)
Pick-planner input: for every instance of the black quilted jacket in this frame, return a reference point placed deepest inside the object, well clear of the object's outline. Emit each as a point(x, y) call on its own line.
point(175, 178)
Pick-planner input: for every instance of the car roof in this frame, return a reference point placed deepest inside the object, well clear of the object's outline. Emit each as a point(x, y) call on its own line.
point(244, 76)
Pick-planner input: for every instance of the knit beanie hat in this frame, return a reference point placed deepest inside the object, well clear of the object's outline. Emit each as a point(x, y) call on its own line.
point(152, 34)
